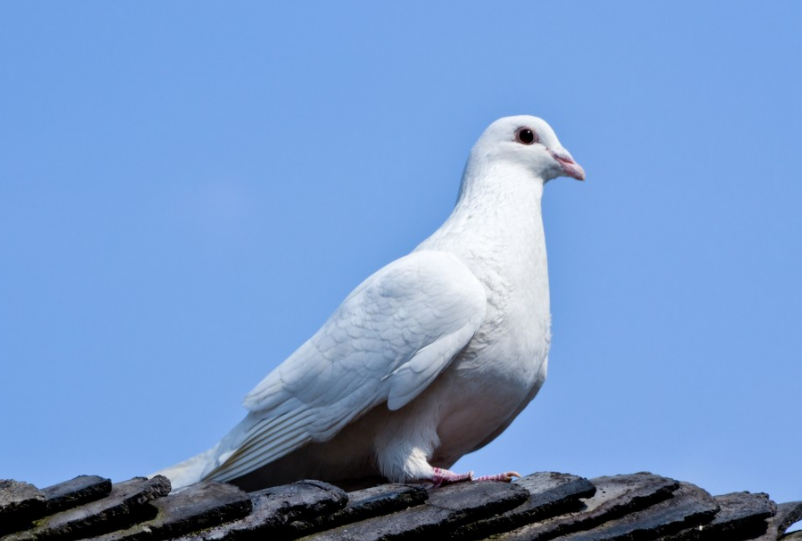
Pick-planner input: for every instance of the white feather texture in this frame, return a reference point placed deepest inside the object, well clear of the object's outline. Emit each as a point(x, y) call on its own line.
point(428, 359)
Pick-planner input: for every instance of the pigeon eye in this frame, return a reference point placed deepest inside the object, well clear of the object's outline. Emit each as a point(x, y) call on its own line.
point(525, 136)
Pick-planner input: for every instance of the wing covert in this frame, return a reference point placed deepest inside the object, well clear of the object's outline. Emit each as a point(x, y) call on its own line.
point(390, 338)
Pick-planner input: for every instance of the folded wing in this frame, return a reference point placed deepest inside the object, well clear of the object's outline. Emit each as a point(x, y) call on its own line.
point(390, 338)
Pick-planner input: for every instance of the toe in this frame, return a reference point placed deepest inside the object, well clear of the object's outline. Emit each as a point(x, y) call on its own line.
point(505, 477)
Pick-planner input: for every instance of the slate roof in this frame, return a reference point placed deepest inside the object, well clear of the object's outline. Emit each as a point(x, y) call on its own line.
point(539, 507)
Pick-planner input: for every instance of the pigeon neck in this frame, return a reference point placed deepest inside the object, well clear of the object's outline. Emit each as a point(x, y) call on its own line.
point(499, 183)
point(497, 211)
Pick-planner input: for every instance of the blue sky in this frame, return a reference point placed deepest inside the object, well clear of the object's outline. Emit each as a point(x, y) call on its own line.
point(188, 189)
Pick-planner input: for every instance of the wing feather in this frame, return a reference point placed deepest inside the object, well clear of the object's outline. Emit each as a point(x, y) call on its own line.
point(390, 338)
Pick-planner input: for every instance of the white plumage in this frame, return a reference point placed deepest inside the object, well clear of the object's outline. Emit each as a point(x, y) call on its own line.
point(428, 359)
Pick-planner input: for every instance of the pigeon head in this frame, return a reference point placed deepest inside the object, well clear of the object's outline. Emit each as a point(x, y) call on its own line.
point(529, 142)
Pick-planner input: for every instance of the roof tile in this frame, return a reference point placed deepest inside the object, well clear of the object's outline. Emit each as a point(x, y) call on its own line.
point(615, 496)
point(284, 511)
point(195, 508)
point(787, 514)
point(689, 506)
point(446, 508)
point(542, 506)
point(123, 507)
point(741, 516)
point(550, 494)
point(75, 492)
point(20, 503)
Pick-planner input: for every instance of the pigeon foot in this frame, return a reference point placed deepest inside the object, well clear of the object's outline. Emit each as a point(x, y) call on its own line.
point(506, 477)
point(445, 477)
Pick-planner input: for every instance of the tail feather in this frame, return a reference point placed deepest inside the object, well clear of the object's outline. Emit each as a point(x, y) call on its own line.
point(190, 471)
point(250, 445)
point(197, 468)
point(260, 443)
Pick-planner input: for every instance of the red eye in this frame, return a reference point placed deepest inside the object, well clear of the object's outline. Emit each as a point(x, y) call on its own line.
point(525, 136)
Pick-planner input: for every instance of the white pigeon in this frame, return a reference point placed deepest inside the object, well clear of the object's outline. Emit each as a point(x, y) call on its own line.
point(428, 359)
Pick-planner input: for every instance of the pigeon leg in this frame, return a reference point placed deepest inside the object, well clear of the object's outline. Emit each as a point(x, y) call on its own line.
point(506, 477)
point(445, 477)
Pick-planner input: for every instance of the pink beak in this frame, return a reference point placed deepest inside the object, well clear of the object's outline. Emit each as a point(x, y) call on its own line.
point(569, 166)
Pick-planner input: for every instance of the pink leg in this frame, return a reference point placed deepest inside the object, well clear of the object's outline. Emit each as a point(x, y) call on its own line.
point(444, 477)
point(506, 477)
